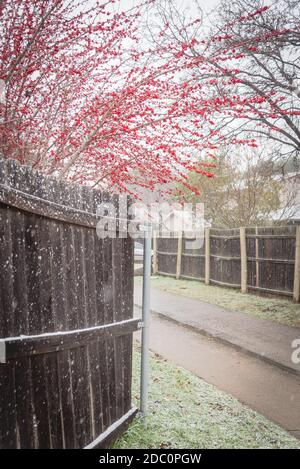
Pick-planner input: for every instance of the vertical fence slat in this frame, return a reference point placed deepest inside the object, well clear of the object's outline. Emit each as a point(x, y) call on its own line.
point(91, 320)
point(102, 415)
point(26, 420)
point(8, 424)
point(53, 362)
point(257, 256)
point(101, 410)
point(6, 267)
point(64, 365)
point(296, 290)
point(128, 313)
point(179, 256)
point(41, 398)
point(52, 382)
point(243, 260)
point(155, 257)
point(43, 322)
point(109, 317)
point(24, 403)
point(207, 256)
point(80, 382)
point(117, 255)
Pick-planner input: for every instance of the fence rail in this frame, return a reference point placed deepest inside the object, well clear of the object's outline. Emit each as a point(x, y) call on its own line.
point(66, 316)
point(262, 259)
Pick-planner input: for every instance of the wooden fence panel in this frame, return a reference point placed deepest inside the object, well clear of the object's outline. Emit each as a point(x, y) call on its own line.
point(270, 259)
point(193, 260)
point(273, 250)
point(166, 255)
point(225, 257)
point(58, 278)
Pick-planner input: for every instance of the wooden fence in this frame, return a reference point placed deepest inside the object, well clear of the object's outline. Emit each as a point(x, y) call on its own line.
point(66, 307)
point(260, 259)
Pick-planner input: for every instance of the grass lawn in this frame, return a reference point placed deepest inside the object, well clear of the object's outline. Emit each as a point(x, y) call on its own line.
point(280, 310)
point(186, 412)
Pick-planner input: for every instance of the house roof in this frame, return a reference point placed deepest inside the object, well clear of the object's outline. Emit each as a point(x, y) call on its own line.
point(290, 213)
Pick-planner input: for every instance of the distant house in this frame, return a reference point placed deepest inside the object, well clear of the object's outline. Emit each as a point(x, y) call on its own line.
point(184, 223)
point(289, 213)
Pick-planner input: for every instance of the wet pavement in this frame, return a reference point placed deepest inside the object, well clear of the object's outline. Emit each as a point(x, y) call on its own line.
point(268, 340)
point(270, 390)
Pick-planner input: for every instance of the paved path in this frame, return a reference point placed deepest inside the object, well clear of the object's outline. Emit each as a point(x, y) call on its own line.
point(266, 388)
point(246, 357)
point(264, 339)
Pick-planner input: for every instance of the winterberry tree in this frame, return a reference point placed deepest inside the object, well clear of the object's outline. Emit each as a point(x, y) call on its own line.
point(89, 99)
point(251, 52)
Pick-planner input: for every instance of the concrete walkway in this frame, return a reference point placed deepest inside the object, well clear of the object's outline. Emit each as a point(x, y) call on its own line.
point(265, 388)
point(267, 340)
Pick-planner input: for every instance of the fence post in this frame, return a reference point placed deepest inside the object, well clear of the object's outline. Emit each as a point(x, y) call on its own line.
point(296, 290)
point(257, 256)
point(207, 256)
point(179, 255)
point(243, 260)
point(155, 258)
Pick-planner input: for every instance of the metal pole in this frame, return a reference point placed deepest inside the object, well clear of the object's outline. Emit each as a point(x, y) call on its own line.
point(146, 322)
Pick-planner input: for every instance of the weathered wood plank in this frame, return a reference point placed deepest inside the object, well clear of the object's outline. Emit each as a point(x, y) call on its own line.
point(8, 426)
point(6, 267)
point(207, 256)
point(117, 256)
point(109, 317)
point(57, 364)
point(24, 404)
point(40, 401)
point(54, 401)
point(102, 415)
point(63, 314)
point(91, 320)
point(179, 256)
point(243, 250)
point(127, 300)
point(52, 210)
point(296, 287)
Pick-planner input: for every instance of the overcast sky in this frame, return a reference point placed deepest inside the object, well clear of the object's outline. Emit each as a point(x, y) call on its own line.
point(205, 5)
